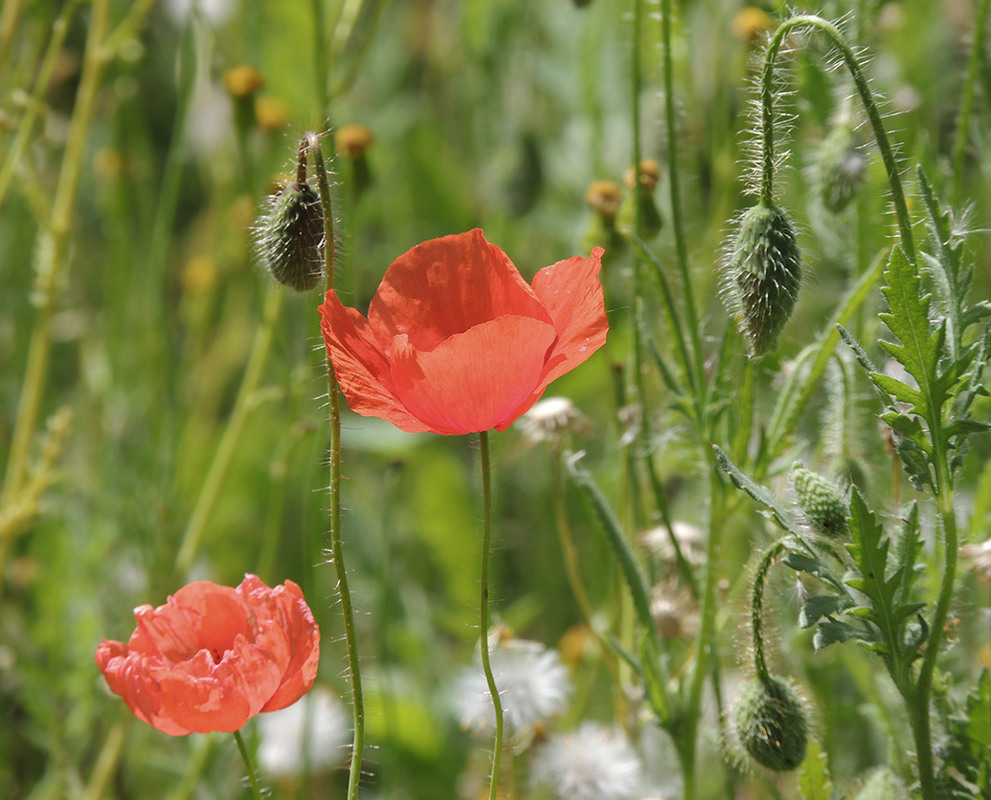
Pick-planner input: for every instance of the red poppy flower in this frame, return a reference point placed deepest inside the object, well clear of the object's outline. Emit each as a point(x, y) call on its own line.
point(456, 341)
point(212, 657)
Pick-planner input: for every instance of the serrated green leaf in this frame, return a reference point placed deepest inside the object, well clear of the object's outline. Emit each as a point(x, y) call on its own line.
point(979, 716)
point(899, 390)
point(907, 318)
point(910, 428)
point(819, 606)
point(831, 631)
point(813, 778)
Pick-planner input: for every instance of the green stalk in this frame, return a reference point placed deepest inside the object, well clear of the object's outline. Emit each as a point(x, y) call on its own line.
point(53, 253)
point(677, 223)
point(249, 764)
point(757, 609)
point(483, 439)
point(866, 97)
point(224, 457)
point(967, 102)
point(336, 540)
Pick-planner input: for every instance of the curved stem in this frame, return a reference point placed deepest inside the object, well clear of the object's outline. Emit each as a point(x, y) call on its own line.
point(336, 540)
point(483, 439)
point(757, 609)
point(249, 764)
point(866, 97)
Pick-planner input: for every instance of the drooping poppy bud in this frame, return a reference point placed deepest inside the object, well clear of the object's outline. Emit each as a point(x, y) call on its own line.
point(839, 169)
point(764, 275)
point(771, 724)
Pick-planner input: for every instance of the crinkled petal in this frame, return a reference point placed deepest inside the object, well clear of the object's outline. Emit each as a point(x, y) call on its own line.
point(303, 636)
point(475, 380)
point(361, 368)
point(447, 286)
point(571, 293)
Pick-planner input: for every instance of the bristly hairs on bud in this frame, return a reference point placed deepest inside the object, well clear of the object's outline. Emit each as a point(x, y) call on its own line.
point(289, 234)
point(820, 500)
point(770, 719)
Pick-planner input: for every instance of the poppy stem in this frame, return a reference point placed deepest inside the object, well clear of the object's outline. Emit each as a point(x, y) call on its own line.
point(336, 540)
point(256, 788)
point(483, 439)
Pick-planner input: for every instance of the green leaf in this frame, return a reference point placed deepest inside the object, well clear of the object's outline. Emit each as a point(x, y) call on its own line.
point(761, 494)
point(907, 318)
point(813, 777)
point(635, 579)
point(899, 390)
point(909, 428)
point(831, 631)
point(819, 606)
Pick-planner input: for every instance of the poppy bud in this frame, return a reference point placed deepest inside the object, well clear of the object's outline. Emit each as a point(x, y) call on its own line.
point(289, 236)
point(839, 169)
point(764, 274)
point(820, 500)
point(771, 724)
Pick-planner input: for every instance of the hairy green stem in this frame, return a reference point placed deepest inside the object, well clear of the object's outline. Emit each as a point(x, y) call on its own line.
point(483, 439)
point(249, 764)
point(336, 539)
point(767, 92)
point(757, 609)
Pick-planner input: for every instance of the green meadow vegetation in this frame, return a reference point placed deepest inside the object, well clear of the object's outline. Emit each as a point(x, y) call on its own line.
point(742, 551)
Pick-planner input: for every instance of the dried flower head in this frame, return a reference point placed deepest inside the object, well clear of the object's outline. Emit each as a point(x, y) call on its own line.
point(604, 197)
point(674, 610)
point(242, 81)
point(272, 114)
point(351, 141)
point(552, 420)
point(591, 763)
point(750, 23)
point(533, 685)
point(650, 174)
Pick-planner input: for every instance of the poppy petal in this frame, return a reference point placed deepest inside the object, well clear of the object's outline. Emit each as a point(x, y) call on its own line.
point(446, 286)
point(571, 293)
point(360, 365)
point(475, 380)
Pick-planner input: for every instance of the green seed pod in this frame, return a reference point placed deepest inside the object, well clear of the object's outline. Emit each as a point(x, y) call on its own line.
point(882, 785)
point(839, 169)
point(289, 237)
point(820, 500)
point(771, 724)
point(764, 275)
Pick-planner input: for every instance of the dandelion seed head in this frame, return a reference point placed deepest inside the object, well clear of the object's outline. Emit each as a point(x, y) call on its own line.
point(533, 685)
point(591, 763)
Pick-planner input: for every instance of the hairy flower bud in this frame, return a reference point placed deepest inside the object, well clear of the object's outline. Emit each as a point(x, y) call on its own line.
point(289, 236)
point(764, 275)
point(820, 500)
point(771, 724)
